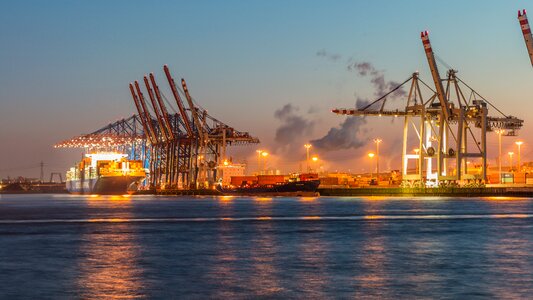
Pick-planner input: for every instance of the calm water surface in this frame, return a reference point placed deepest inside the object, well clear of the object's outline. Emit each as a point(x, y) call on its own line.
point(62, 246)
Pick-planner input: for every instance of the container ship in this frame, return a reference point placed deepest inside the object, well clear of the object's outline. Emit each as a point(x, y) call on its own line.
point(105, 174)
point(272, 185)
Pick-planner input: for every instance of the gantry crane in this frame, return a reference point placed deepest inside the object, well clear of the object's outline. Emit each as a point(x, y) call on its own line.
point(182, 150)
point(526, 31)
point(451, 128)
point(186, 146)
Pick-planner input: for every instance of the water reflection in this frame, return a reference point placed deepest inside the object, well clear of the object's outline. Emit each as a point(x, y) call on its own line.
point(372, 279)
point(108, 261)
point(264, 254)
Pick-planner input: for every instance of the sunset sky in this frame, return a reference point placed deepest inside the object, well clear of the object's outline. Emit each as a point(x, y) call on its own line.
point(65, 68)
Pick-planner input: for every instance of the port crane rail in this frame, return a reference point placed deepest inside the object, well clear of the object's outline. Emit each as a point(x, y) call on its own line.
point(456, 124)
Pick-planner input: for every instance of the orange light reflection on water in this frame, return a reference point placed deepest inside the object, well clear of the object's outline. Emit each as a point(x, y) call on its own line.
point(264, 199)
point(503, 198)
point(312, 218)
point(373, 217)
point(108, 262)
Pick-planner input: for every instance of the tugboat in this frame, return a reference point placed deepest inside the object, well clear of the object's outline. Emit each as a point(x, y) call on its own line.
point(105, 174)
point(304, 185)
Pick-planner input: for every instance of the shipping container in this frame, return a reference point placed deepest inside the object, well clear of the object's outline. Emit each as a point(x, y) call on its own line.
point(239, 180)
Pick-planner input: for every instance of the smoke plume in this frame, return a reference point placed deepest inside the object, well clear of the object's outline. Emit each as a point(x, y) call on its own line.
point(351, 133)
point(293, 131)
point(348, 134)
point(330, 56)
point(377, 78)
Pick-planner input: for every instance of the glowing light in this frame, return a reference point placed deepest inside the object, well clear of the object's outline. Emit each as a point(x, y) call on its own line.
point(307, 146)
point(264, 154)
point(263, 199)
point(374, 217)
point(314, 158)
point(371, 154)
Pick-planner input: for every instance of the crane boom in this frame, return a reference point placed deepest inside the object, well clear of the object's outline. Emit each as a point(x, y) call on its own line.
point(435, 74)
point(146, 113)
point(142, 116)
point(158, 114)
point(181, 107)
point(526, 31)
point(195, 116)
point(162, 106)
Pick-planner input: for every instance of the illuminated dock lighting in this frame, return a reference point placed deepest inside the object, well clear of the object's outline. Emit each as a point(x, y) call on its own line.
point(499, 132)
point(519, 144)
point(307, 147)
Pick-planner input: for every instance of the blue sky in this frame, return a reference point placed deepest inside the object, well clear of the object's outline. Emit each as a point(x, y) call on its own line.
point(65, 65)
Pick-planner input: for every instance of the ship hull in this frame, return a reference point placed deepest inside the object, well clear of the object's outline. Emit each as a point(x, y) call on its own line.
point(111, 185)
point(297, 188)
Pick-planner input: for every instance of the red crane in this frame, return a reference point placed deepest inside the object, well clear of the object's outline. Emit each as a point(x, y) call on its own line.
point(181, 107)
point(142, 116)
point(526, 31)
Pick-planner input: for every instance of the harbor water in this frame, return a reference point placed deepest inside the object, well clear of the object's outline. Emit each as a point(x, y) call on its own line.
point(105, 247)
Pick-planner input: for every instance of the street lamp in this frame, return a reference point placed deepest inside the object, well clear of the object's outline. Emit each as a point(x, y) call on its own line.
point(307, 146)
point(500, 132)
point(264, 154)
point(314, 159)
point(510, 161)
point(377, 141)
point(371, 155)
point(259, 160)
point(519, 143)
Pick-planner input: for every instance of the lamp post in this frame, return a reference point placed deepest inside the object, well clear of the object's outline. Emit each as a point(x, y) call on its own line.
point(371, 155)
point(500, 132)
point(377, 141)
point(259, 160)
point(264, 154)
point(307, 146)
point(315, 159)
point(519, 143)
point(510, 161)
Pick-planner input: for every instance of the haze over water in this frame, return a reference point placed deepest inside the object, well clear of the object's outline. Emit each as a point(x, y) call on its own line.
point(62, 246)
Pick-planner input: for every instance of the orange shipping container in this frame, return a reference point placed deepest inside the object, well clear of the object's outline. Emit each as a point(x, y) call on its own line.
point(329, 181)
point(238, 180)
point(308, 176)
point(270, 179)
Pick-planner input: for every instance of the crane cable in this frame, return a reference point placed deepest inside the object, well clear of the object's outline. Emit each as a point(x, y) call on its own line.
point(384, 96)
point(440, 60)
